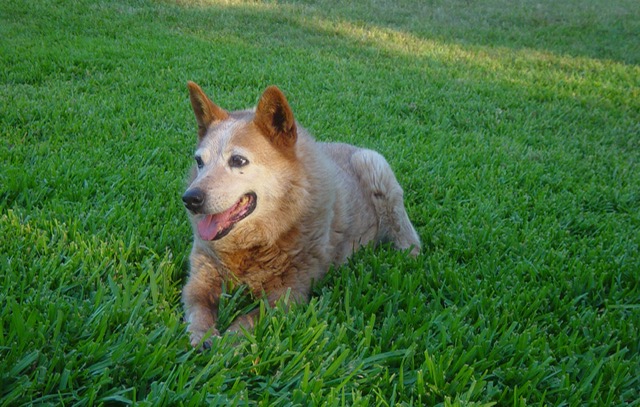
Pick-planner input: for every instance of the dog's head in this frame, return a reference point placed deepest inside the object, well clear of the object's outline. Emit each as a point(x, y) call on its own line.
point(245, 172)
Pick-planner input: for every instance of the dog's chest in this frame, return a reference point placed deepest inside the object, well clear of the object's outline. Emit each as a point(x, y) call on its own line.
point(259, 268)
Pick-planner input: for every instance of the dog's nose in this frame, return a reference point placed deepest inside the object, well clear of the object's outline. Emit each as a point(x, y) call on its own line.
point(193, 199)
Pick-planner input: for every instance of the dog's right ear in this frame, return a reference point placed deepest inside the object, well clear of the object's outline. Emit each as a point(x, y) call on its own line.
point(275, 118)
point(205, 110)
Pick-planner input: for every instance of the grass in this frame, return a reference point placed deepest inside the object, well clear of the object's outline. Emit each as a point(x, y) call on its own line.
point(514, 128)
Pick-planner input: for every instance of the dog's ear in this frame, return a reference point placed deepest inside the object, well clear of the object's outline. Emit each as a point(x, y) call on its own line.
point(205, 110)
point(275, 118)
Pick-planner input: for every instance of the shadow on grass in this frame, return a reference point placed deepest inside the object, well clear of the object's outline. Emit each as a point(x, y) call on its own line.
point(598, 30)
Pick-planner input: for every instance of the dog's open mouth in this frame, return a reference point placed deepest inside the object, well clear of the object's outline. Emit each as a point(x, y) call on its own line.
point(217, 226)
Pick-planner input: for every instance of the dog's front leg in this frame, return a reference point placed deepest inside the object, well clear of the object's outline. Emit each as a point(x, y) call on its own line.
point(201, 320)
point(200, 297)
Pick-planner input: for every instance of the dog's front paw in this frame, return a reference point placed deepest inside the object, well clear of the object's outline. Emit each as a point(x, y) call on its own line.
point(198, 336)
point(244, 321)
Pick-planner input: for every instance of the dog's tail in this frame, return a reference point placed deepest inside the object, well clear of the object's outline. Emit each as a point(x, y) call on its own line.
point(386, 194)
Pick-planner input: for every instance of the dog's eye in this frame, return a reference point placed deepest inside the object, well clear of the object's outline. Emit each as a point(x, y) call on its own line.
point(237, 161)
point(199, 162)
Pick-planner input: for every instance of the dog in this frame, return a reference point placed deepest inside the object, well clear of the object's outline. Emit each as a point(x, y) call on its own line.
point(273, 209)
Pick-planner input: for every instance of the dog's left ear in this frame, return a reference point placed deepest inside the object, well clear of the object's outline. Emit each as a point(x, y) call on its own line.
point(275, 118)
point(205, 110)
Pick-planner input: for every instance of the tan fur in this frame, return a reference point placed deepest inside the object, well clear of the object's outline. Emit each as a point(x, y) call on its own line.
point(316, 204)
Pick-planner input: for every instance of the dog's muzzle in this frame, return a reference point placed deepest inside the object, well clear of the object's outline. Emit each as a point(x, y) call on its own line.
point(194, 199)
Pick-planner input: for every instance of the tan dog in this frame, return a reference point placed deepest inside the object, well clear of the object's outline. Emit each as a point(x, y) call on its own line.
point(274, 209)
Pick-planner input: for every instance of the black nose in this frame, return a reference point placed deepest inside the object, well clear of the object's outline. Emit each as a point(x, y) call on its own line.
point(194, 199)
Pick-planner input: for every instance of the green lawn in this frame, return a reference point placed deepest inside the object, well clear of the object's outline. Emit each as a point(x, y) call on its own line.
point(513, 126)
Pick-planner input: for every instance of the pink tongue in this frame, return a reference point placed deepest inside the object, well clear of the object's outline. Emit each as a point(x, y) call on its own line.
point(211, 225)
